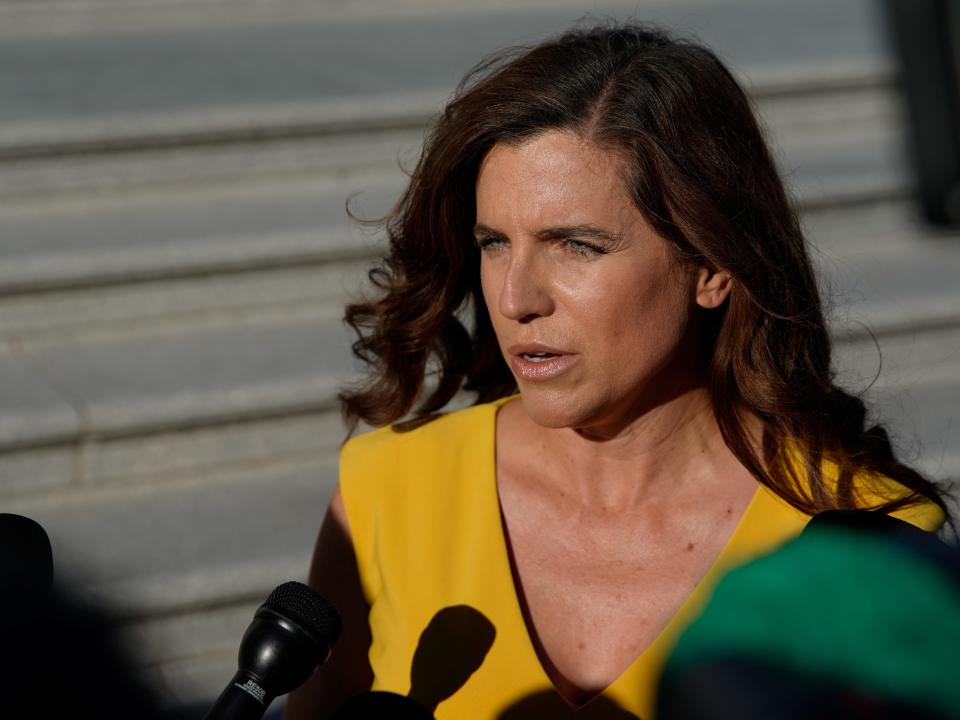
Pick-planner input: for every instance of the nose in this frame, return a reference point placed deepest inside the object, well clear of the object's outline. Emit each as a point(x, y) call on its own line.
point(525, 293)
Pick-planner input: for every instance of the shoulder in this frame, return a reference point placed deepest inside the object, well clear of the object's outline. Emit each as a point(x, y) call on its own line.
point(877, 490)
point(425, 453)
point(872, 491)
point(422, 438)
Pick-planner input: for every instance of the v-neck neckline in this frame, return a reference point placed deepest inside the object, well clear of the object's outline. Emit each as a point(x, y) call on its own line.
point(650, 659)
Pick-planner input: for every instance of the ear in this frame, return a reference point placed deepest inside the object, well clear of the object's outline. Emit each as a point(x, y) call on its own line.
point(713, 286)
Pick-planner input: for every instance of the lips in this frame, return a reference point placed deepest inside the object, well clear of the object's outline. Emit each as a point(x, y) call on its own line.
point(537, 362)
point(534, 349)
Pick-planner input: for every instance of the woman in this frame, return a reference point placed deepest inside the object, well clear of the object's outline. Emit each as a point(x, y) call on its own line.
point(595, 242)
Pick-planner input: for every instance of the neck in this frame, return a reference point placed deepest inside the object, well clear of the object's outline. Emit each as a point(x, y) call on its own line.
point(660, 453)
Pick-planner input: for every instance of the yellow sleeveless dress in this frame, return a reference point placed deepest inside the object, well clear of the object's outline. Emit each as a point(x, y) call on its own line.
point(446, 623)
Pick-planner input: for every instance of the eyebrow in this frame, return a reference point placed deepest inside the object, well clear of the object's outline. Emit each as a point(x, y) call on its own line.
point(565, 232)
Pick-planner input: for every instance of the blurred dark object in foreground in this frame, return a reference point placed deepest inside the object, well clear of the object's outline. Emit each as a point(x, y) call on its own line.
point(859, 617)
point(63, 659)
point(61, 656)
point(926, 34)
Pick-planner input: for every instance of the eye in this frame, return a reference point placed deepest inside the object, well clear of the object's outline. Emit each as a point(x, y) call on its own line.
point(584, 248)
point(491, 244)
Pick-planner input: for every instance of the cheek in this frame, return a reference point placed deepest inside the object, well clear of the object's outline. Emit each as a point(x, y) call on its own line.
point(643, 318)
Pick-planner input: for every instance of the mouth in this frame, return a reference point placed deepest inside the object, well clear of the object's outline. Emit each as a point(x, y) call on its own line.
point(539, 356)
point(537, 363)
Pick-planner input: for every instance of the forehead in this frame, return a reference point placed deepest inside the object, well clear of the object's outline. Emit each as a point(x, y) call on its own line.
point(551, 176)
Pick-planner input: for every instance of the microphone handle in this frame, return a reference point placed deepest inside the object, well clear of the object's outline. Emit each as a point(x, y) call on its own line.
point(243, 699)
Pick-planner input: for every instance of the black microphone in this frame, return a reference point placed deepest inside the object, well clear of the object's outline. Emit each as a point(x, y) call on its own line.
point(26, 568)
point(291, 634)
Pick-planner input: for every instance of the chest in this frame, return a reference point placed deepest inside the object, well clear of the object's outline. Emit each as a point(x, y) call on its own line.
point(597, 591)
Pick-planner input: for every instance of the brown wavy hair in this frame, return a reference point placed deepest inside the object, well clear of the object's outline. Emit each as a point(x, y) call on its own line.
point(700, 172)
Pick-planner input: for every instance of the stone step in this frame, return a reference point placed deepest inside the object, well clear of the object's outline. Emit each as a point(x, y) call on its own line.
point(849, 133)
point(80, 17)
point(190, 542)
point(912, 382)
point(177, 304)
point(195, 168)
point(125, 238)
point(70, 392)
point(162, 379)
point(883, 270)
point(85, 69)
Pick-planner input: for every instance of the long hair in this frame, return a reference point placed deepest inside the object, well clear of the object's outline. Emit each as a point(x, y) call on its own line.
point(700, 172)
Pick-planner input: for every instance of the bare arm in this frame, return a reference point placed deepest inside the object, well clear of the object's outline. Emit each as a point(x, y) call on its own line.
point(333, 573)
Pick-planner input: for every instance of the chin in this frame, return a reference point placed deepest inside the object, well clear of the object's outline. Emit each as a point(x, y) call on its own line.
point(554, 408)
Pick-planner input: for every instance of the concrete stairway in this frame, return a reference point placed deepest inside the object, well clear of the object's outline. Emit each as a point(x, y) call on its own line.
point(173, 180)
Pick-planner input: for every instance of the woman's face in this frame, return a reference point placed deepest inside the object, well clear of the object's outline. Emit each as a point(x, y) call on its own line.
point(591, 311)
